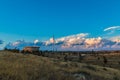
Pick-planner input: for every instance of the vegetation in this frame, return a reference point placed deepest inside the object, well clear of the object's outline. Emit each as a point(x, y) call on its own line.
point(17, 66)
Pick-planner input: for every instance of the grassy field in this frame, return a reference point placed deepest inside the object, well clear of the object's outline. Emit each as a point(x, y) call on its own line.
point(17, 66)
point(113, 61)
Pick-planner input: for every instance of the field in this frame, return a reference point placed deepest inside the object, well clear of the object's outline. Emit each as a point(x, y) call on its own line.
point(17, 66)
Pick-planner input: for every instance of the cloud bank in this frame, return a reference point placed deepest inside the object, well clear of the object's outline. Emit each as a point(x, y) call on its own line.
point(76, 42)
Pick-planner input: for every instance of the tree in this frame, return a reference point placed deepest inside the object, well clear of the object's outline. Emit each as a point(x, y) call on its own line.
point(105, 60)
point(66, 58)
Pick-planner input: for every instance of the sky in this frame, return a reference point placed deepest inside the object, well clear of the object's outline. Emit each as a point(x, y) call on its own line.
point(41, 19)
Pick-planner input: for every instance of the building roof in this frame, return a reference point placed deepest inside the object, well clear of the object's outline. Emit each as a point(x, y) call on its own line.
point(31, 47)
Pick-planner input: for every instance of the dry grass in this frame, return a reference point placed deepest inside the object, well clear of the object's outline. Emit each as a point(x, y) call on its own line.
point(16, 66)
point(28, 67)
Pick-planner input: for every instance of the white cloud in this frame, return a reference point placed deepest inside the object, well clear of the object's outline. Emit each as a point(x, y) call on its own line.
point(72, 42)
point(115, 39)
point(113, 28)
point(72, 39)
point(19, 44)
point(93, 42)
point(78, 38)
point(36, 41)
point(52, 40)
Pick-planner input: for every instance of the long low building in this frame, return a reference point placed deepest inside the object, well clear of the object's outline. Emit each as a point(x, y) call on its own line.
point(31, 49)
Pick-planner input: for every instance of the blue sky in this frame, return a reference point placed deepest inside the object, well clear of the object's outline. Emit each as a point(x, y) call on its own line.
point(40, 19)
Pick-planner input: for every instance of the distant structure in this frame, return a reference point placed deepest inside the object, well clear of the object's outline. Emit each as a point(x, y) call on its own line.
point(31, 49)
point(53, 43)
